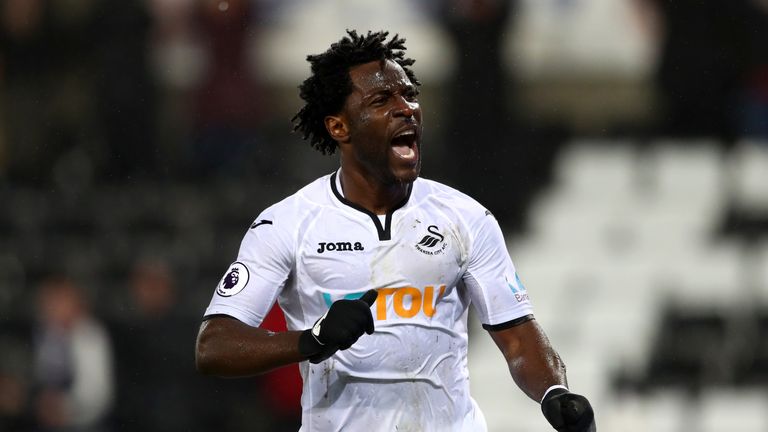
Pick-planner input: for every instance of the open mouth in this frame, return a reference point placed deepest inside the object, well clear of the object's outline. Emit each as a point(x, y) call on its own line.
point(404, 144)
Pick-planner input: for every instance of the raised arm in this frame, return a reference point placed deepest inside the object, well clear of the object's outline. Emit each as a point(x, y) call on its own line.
point(227, 347)
point(537, 368)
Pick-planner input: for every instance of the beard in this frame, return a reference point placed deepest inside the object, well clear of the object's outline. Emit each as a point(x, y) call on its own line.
point(382, 166)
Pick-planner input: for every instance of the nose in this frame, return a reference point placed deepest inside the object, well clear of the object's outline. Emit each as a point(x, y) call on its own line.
point(405, 108)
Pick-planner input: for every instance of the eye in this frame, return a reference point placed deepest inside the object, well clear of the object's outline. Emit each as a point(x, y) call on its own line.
point(411, 95)
point(379, 100)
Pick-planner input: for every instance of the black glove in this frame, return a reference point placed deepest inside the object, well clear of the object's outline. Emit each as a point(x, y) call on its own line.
point(568, 412)
point(339, 328)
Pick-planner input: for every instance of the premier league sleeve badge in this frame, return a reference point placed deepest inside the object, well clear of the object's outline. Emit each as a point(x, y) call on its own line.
point(234, 280)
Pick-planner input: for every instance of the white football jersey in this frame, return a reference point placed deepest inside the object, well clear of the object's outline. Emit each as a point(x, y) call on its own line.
point(429, 259)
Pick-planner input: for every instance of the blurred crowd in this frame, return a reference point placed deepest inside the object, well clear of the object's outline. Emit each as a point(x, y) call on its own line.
point(110, 90)
point(114, 92)
point(712, 71)
point(67, 369)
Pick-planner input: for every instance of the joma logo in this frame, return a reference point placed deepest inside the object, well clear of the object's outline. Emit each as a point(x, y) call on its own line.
point(339, 246)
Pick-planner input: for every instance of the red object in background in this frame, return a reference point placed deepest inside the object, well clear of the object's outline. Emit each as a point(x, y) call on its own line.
point(759, 81)
point(229, 95)
point(282, 386)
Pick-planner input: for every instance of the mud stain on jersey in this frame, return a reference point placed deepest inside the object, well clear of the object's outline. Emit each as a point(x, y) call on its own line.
point(327, 369)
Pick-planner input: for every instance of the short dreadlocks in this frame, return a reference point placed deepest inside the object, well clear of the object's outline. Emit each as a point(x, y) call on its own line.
point(326, 90)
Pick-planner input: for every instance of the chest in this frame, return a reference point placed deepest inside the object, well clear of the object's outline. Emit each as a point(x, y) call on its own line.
point(347, 254)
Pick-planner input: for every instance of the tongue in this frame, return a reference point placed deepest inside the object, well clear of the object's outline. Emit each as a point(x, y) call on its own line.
point(403, 150)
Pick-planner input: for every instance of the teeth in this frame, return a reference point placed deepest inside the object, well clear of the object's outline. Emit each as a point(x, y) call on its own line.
point(405, 133)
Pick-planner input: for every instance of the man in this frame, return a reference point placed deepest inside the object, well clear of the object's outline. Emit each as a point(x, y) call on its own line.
point(374, 234)
point(73, 360)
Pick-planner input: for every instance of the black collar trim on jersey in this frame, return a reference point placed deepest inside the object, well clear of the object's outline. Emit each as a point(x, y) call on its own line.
point(385, 232)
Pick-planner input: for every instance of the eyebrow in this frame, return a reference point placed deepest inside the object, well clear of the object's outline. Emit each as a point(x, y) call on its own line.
point(389, 91)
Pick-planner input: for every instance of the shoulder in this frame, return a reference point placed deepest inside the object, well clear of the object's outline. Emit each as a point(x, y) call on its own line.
point(448, 199)
point(291, 210)
point(470, 218)
point(283, 223)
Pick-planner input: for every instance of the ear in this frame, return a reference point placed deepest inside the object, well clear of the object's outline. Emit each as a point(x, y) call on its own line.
point(337, 128)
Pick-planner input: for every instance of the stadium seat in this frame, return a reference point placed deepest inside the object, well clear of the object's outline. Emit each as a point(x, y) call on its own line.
point(731, 410)
point(748, 168)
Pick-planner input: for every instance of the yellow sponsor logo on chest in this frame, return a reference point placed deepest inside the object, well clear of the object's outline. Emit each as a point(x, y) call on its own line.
point(407, 301)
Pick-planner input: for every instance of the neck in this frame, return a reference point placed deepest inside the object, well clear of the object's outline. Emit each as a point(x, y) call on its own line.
point(371, 194)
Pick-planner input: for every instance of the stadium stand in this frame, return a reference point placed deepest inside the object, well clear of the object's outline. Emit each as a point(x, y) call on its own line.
point(647, 265)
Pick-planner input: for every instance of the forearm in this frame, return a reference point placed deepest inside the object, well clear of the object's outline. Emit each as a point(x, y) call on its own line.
point(537, 370)
point(229, 348)
point(535, 367)
point(533, 363)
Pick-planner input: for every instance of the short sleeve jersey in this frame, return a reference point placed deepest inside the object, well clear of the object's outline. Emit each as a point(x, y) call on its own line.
point(429, 258)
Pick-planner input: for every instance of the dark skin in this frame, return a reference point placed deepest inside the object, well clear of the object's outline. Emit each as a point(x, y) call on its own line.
point(379, 135)
point(382, 105)
point(532, 362)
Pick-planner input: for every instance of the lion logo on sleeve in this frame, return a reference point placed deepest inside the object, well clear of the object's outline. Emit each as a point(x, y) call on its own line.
point(234, 280)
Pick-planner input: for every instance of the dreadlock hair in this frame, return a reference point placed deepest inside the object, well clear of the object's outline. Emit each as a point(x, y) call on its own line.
point(327, 88)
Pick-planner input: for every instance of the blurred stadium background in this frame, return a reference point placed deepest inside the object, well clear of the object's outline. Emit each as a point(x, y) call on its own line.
point(622, 144)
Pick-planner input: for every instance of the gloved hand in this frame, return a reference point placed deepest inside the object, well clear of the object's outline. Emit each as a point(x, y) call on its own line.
point(339, 328)
point(568, 412)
